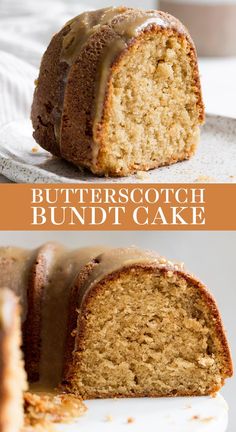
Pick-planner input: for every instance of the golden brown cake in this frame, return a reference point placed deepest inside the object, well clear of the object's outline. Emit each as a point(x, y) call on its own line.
point(101, 322)
point(44, 409)
point(12, 374)
point(119, 91)
point(42, 279)
point(145, 327)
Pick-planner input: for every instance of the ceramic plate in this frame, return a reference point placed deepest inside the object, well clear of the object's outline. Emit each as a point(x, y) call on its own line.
point(153, 415)
point(215, 160)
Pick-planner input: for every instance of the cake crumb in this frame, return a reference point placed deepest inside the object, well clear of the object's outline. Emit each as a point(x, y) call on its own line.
point(36, 82)
point(195, 417)
point(162, 260)
point(35, 149)
point(109, 418)
point(130, 420)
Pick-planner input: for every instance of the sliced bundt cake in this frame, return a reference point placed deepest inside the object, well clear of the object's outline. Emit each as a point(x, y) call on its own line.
point(119, 91)
point(145, 327)
point(12, 374)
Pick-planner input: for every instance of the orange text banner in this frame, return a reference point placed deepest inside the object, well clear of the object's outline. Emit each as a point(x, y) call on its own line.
point(118, 207)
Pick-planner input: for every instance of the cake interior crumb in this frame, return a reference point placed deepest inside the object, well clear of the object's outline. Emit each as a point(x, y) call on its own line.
point(44, 409)
point(130, 420)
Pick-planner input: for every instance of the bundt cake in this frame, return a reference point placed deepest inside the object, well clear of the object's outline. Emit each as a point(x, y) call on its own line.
point(116, 323)
point(12, 374)
point(119, 91)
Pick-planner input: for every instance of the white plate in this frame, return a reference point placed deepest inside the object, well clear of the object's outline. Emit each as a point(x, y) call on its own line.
point(198, 414)
point(215, 160)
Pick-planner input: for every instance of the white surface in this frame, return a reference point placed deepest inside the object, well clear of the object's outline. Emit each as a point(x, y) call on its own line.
point(26, 27)
point(215, 160)
point(154, 415)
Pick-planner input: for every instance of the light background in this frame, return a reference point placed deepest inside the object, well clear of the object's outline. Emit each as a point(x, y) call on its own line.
point(209, 255)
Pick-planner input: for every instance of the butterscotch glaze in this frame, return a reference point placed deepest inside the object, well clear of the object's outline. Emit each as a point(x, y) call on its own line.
point(126, 29)
point(60, 267)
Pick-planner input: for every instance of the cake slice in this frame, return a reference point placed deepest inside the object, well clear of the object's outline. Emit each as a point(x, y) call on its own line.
point(119, 91)
point(143, 326)
point(12, 374)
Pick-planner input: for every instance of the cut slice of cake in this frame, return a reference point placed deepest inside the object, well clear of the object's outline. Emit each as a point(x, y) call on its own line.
point(143, 326)
point(119, 92)
point(12, 374)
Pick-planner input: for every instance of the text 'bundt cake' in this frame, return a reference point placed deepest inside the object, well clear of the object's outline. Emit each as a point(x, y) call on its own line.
point(115, 323)
point(119, 91)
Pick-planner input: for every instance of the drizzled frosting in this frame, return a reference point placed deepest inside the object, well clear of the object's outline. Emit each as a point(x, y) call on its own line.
point(117, 259)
